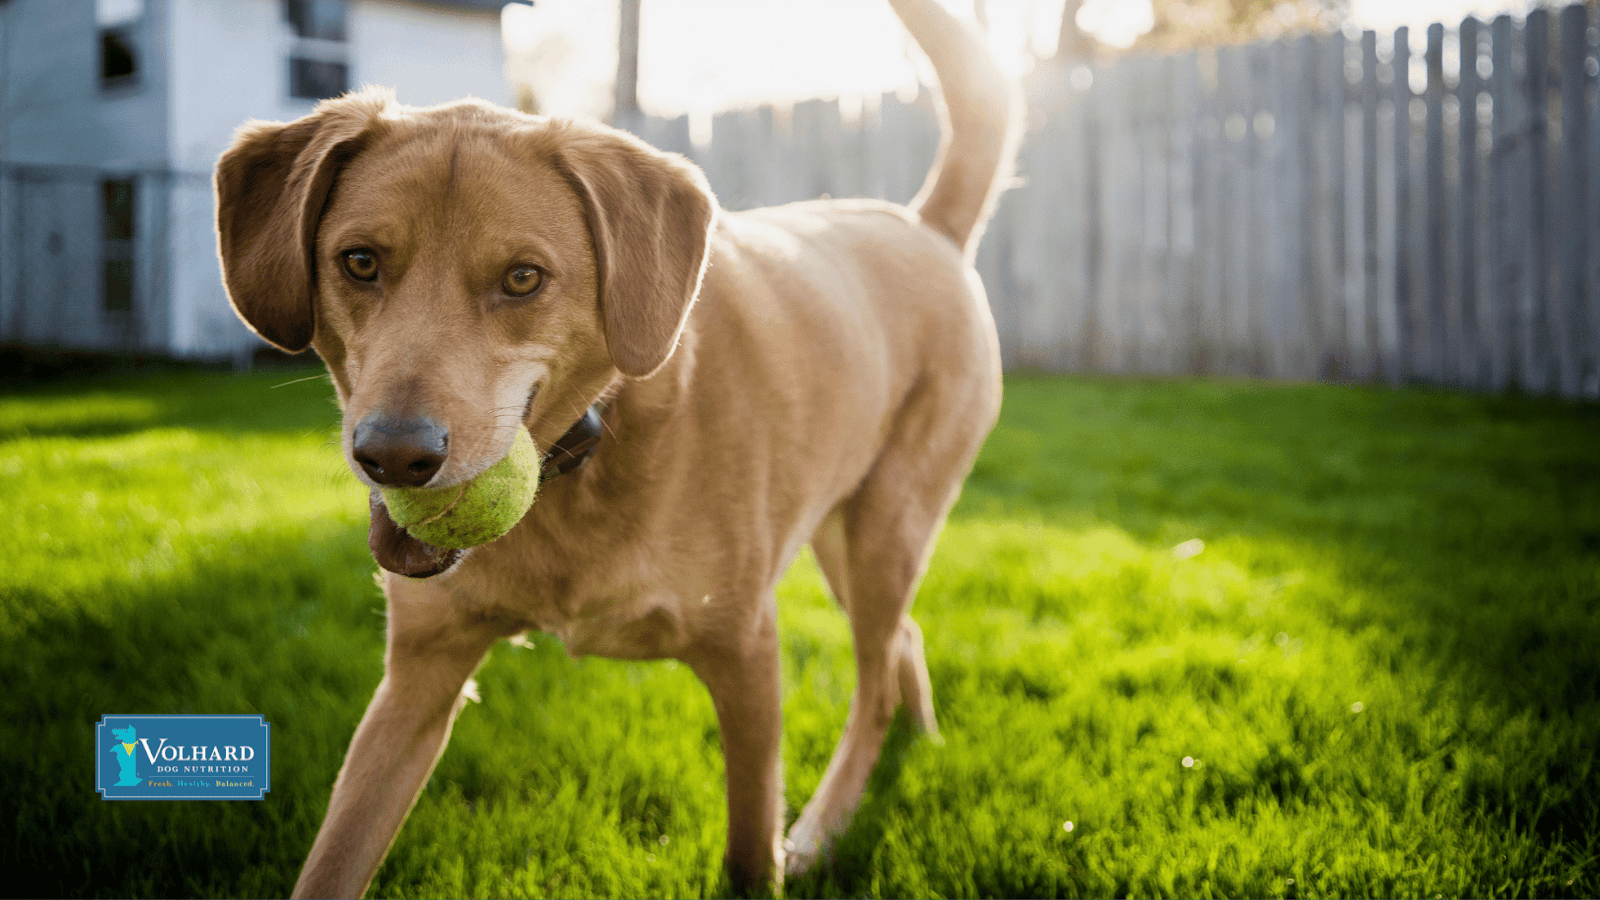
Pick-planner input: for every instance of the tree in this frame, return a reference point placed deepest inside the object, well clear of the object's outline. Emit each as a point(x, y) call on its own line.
point(1190, 23)
point(625, 108)
point(1072, 44)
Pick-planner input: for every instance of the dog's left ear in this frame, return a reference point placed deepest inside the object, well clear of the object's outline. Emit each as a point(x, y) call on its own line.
point(651, 215)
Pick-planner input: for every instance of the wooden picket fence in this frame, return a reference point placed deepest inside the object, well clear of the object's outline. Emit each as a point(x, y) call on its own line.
point(1328, 206)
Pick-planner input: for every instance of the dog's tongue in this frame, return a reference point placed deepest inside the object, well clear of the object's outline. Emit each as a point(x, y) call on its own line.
point(401, 553)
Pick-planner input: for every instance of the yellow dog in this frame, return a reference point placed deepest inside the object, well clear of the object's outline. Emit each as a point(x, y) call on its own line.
point(819, 372)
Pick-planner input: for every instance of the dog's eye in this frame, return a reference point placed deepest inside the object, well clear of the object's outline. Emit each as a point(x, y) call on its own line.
point(522, 281)
point(362, 265)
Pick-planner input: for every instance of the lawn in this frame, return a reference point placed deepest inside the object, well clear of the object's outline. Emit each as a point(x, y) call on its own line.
point(1186, 638)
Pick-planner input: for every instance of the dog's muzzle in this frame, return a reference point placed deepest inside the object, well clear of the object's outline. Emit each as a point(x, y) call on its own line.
point(399, 552)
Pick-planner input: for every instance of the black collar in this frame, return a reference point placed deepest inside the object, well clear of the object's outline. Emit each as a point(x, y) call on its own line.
point(574, 448)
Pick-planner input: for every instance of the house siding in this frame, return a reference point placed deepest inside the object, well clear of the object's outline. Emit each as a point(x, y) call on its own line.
point(388, 37)
point(229, 64)
point(61, 135)
point(206, 67)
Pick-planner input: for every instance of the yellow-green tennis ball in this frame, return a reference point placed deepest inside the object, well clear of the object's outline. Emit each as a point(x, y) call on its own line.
point(477, 512)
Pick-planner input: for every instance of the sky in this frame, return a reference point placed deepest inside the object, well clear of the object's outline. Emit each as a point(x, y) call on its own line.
point(699, 56)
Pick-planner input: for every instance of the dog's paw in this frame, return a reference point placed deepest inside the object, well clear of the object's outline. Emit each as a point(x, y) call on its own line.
point(800, 855)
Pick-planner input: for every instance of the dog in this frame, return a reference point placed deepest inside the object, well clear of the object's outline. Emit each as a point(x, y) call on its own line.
point(127, 763)
point(822, 372)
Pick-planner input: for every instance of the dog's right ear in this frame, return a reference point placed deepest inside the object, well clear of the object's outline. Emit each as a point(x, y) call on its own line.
point(271, 186)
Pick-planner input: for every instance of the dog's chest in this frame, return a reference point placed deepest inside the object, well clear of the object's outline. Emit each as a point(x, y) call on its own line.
point(619, 610)
point(648, 626)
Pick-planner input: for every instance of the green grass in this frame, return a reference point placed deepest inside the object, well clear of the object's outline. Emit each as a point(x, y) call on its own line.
point(1379, 677)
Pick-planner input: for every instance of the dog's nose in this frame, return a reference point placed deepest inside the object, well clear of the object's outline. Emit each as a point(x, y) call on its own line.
point(400, 452)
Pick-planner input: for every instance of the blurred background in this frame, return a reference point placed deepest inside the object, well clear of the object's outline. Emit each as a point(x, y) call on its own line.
point(1363, 190)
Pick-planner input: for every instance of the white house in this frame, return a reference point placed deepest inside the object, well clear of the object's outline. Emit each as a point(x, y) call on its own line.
point(113, 114)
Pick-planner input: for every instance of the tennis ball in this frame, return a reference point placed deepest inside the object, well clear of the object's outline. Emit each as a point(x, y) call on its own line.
point(477, 512)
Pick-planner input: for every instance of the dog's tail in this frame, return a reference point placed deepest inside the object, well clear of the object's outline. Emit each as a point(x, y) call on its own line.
point(981, 120)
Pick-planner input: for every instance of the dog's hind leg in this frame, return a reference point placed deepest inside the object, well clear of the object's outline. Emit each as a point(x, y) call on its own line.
point(873, 549)
point(431, 654)
point(911, 668)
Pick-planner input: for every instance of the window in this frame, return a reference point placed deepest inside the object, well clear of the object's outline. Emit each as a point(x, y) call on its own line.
point(316, 79)
point(318, 64)
point(118, 23)
point(118, 63)
point(116, 243)
point(321, 20)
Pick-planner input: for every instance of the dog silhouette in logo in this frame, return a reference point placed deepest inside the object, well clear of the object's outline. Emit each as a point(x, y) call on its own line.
point(125, 758)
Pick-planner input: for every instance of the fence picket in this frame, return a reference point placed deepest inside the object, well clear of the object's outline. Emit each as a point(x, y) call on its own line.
point(1508, 162)
point(1371, 366)
point(1405, 235)
point(1181, 77)
point(1466, 251)
point(1433, 322)
point(1151, 108)
point(1573, 218)
point(1282, 313)
point(1324, 142)
point(1205, 350)
point(1238, 231)
point(1589, 328)
point(1536, 324)
point(1120, 217)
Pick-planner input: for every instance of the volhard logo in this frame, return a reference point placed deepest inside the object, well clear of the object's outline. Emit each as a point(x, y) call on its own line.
point(182, 757)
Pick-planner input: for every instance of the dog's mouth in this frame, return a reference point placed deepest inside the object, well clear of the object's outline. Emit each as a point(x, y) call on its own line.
point(399, 552)
point(402, 553)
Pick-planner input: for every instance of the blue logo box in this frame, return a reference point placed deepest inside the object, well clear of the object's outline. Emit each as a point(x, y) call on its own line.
point(182, 757)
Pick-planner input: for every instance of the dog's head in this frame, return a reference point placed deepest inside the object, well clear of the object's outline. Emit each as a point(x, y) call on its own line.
point(461, 269)
point(125, 735)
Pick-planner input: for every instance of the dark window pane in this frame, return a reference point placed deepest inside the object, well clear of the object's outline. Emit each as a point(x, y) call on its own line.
point(320, 19)
point(117, 210)
point(117, 225)
point(315, 79)
point(119, 285)
point(118, 61)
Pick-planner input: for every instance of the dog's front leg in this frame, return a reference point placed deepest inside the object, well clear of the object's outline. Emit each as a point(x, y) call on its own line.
point(742, 674)
point(431, 655)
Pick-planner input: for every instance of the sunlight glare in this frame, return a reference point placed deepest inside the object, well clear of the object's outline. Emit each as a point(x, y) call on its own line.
point(701, 56)
point(779, 51)
point(1386, 15)
point(1117, 22)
